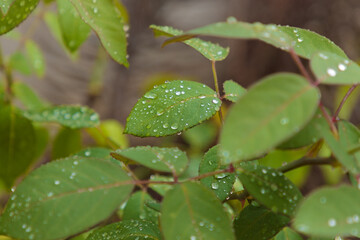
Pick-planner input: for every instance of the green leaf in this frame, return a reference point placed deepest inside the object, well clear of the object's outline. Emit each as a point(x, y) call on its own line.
point(171, 108)
point(200, 136)
point(20, 63)
point(68, 141)
point(222, 183)
point(74, 30)
point(269, 113)
point(94, 152)
point(211, 51)
point(330, 212)
point(42, 140)
point(83, 191)
point(127, 230)
point(233, 90)
point(191, 211)
point(288, 234)
point(69, 116)
point(161, 159)
point(310, 134)
point(161, 188)
point(27, 96)
point(17, 12)
point(271, 188)
point(137, 209)
point(330, 68)
point(351, 102)
point(256, 223)
point(5, 6)
point(108, 24)
point(18, 144)
point(35, 58)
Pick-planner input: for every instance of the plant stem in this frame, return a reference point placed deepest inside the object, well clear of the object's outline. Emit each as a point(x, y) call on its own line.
point(306, 161)
point(301, 66)
point(216, 83)
point(8, 77)
point(329, 120)
point(348, 93)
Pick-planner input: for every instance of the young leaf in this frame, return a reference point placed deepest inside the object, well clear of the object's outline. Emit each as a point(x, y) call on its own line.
point(19, 62)
point(222, 183)
point(18, 144)
point(255, 223)
point(127, 229)
point(27, 96)
point(211, 51)
point(330, 212)
point(171, 108)
point(108, 24)
point(233, 90)
point(74, 30)
point(35, 58)
point(68, 141)
point(271, 188)
point(269, 113)
point(68, 190)
point(288, 234)
point(69, 116)
point(16, 12)
point(191, 211)
point(330, 68)
point(161, 159)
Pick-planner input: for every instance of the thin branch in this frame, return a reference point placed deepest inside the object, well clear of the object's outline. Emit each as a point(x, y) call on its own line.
point(329, 120)
point(301, 66)
point(8, 77)
point(348, 93)
point(216, 83)
point(306, 161)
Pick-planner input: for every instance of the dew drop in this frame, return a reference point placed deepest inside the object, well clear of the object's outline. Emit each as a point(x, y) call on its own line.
point(215, 101)
point(160, 112)
point(214, 185)
point(150, 95)
point(57, 182)
point(96, 10)
point(284, 121)
point(323, 200)
point(342, 67)
point(332, 222)
point(174, 126)
point(231, 20)
point(323, 56)
point(331, 72)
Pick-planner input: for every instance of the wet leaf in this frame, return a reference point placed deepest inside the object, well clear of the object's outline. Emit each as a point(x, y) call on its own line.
point(288, 234)
point(171, 108)
point(330, 212)
point(270, 188)
point(191, 211)
point(94, 152)
point(270, 112)
point(210, 50)
point(233, 90)
point(127, 230)
point(5, 6)
point(256, 223)
point(108, 24)
point(161, 159)
point(70, 116)
point(63, 191)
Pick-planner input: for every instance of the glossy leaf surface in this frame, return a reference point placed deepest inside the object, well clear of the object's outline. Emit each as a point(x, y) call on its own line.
point(68, 190)
point(269, 113)
point(233, 90)
point(171, 108)
point(69, 116)
point(190, 211)
point(160, 159)
point(330, 212)
point(108, 24)
point(288, 234)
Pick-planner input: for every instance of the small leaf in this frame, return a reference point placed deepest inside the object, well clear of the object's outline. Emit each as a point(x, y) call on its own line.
point(269, 113)
point(108, 24)
point(211, 51)
point(171, 108)
point(288, 234)
point(200, 136)
point(191, 211)
point(271, 188)
point(70, 116)
point(35, 58)
point(233, 90)
point(161, 159)
point(222, 183)
point(68, 190)
point(16, 12)
point(127, 230)
point(255, 223)
point(74, 30)
point(27, 96)
point(330, 212)
point(68, 141)
point(330, 68)
point(20, 63)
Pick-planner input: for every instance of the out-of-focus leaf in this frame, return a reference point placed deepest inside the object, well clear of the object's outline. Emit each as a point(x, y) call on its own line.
point(35, 58)
point(27, 96)
point(20, 63)
point(288, 234)
point(233, 90)
point(200, 136)
point(68, 141)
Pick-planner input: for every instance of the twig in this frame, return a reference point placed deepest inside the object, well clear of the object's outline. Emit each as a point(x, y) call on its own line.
point(216, 83)
point(301, 66)
point(348, 93)
point(306, 161)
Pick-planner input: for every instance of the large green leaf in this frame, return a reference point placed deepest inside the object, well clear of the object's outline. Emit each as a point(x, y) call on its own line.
point(269, 113)
point(191, 211)
point(108, 24)
point(330, 68)
point(161, 159)
point(69, 116)
point(288, 234)
point(18, 144)
point(256, 223)
point(127, 230)
point(233, 90)
point(271, 188)
point(221, 183)
point(171, 108)
point(80, 191)
point(211, 51)
point(27, 96)
point(330, 212)
point(16, 12)
point(67, 141)
point(74, 30)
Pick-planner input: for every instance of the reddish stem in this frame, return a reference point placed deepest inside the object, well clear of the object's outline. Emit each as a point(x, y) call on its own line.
point(348, 93)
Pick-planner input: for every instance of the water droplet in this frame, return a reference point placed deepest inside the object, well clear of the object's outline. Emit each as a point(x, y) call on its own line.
point(178, 93)
point(57, 182)
point(94, 117)
point(174, 126)
point(264, 171)
point(96, 10)
point(262, 191)
point(219, 52)
point(192, 238)
point(331, 72)
point(356, 218)
point(323, 56)
point(150, 95)
point(165, 125)
point(220, 175)
point(342, 67)
point(215, 185)
point(231, 20)
point(323, 200)
point(215, 101)
point(332, 222)
point(300, 40)
point(76, 163)
point(160, 112)
point(284, 121)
